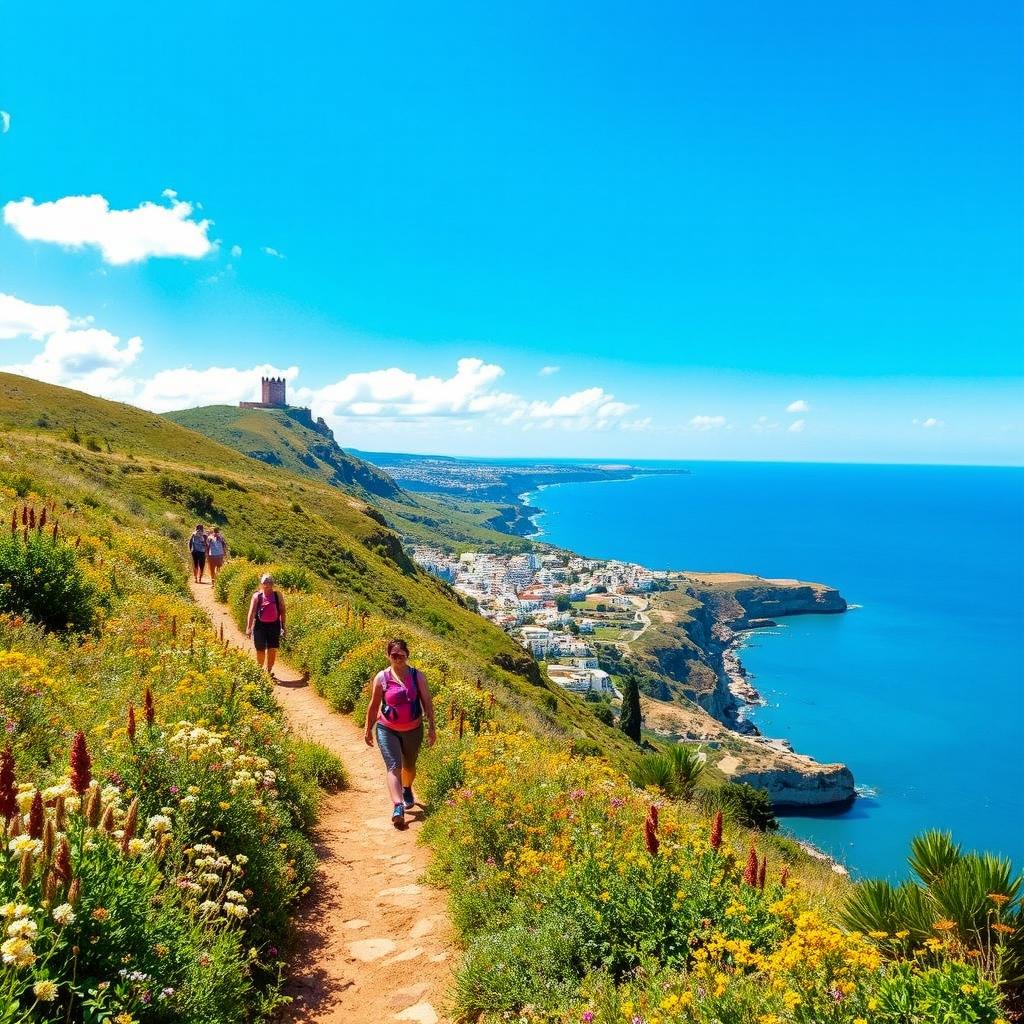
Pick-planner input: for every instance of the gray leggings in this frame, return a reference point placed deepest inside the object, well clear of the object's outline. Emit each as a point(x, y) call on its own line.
point(398, 747)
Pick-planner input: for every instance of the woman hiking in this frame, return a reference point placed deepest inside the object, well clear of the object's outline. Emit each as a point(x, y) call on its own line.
point(266, 622)
point(399, 698)
point(197, 549)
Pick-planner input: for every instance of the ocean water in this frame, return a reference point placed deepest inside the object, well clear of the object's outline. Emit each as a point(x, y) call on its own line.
point(918, 687)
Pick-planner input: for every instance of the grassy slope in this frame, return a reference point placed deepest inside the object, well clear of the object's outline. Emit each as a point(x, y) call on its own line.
point(149, 477)
point(283, 438)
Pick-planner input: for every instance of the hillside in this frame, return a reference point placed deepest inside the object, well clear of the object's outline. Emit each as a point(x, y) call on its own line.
point(290, 439)
point(153, 475)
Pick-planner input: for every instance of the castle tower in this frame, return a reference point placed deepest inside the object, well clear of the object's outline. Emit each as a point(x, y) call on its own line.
point(273, 391)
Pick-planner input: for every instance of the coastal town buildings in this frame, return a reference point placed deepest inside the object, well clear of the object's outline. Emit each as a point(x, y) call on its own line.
point(558, 606)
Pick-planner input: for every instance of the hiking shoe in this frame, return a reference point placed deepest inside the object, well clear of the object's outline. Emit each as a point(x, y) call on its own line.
point(408, 797)
point(398, 816)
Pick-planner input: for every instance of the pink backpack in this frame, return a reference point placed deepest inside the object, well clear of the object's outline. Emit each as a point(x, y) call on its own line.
point(401, 702)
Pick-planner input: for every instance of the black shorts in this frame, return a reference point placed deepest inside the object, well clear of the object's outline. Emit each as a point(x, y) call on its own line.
point(199, 559)
point(266, 634)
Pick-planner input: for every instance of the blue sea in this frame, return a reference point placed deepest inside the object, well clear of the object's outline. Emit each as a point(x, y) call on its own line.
point(917, 688)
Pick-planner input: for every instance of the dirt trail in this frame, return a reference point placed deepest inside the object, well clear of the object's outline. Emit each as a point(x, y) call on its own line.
point(376, 944)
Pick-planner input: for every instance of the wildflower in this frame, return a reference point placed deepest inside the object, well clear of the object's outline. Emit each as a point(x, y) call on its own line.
point(148, 706)
point(45, 991)
point(158, 823)
point(22, 928)
point(63, 914)
point(716, 832)
point(998, 898)
point(587, 1017)
point(651, 831)
point(945, 925)
point(784, 876)
point(791, 999)
point(81, 764)
point(131, 722)
point(750, 872)
point(8, 793)
point(1003, 929)
point(20, 845)
point(94, 806)
point(130, 822)
point(209, 907)
point(100, 914)
point(762, 873)
point(17, 952)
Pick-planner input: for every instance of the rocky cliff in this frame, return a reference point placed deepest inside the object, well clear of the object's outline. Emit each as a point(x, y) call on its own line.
point(691, 645)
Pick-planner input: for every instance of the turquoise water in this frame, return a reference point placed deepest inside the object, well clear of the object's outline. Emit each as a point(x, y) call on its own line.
point(917, 689)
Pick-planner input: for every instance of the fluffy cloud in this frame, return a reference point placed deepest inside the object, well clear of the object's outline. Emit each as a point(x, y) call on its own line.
point(216, 385)
point(271, 251)
point(547, 371)
point(798, 406)
point(122, 236)
point(19, 318)
point(471, 392)
point(5, 122)
point(236, 251)
point(797, 426)
point(706, 422)
point(930, 423)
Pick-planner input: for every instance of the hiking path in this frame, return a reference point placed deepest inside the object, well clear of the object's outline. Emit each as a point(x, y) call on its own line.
point(375, 943)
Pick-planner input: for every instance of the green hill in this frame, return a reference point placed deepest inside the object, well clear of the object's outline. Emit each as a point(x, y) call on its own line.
point(150, 474)
point(290, 439)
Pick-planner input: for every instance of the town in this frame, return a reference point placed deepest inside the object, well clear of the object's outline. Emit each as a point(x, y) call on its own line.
point(559, 606)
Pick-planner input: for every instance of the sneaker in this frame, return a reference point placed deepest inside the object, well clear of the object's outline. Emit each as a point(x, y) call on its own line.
point(398, 816)
point(408, 797)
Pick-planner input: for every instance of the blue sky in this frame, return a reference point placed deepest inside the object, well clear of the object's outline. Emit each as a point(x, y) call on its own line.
point(696, 230)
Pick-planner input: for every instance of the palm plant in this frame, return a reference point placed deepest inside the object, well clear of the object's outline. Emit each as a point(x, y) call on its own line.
point(972, 898)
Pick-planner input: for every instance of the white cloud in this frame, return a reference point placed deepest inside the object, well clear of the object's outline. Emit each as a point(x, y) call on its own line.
point(236, 251)
point(547, 371)
point(798, 406)
point(271, 251)
point(122, 236)
point(184, 387)
point(929, 423)
point(5, 122)
point(19, 318)
point(763, 423)
point(706, 422)
point(797, 426)
point(471, 392)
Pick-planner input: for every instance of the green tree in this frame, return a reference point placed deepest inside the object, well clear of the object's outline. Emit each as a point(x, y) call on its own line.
point(629, 718)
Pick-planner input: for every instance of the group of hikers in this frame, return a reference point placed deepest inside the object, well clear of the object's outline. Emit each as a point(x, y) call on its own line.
point(399, 695)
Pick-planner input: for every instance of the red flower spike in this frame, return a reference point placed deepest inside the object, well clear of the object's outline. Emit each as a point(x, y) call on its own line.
point(149, 708)
point(651, 831)
point(36, 817)
point(716, 832)
point(42, 519)
point(31, 518)
point(8, 794)
point(131, 722)
point(62, 862)
point(750, 872)
point(24, 515)
point(784, 877)
point(81, 764)
point(762, 873)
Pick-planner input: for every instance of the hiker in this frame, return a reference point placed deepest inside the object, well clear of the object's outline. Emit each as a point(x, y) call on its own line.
point(216, 549)
point(266, 622)
point(399, 698)
point(197, 548)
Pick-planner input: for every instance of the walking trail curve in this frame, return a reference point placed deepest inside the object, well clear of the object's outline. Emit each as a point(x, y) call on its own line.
point(375, 943)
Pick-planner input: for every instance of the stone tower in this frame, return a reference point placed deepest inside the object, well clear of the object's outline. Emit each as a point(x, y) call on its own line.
point(272, 393)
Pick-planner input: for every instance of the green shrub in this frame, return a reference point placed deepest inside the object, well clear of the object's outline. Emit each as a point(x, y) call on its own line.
point(745, 804)
point(41, 579)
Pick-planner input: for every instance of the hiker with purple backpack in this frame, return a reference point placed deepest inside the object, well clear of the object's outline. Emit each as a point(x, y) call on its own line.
point(398, 701)
point(265, 623)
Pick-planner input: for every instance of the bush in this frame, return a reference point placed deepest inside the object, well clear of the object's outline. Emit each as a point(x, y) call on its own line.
point(745, 804)
point(41, 579)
